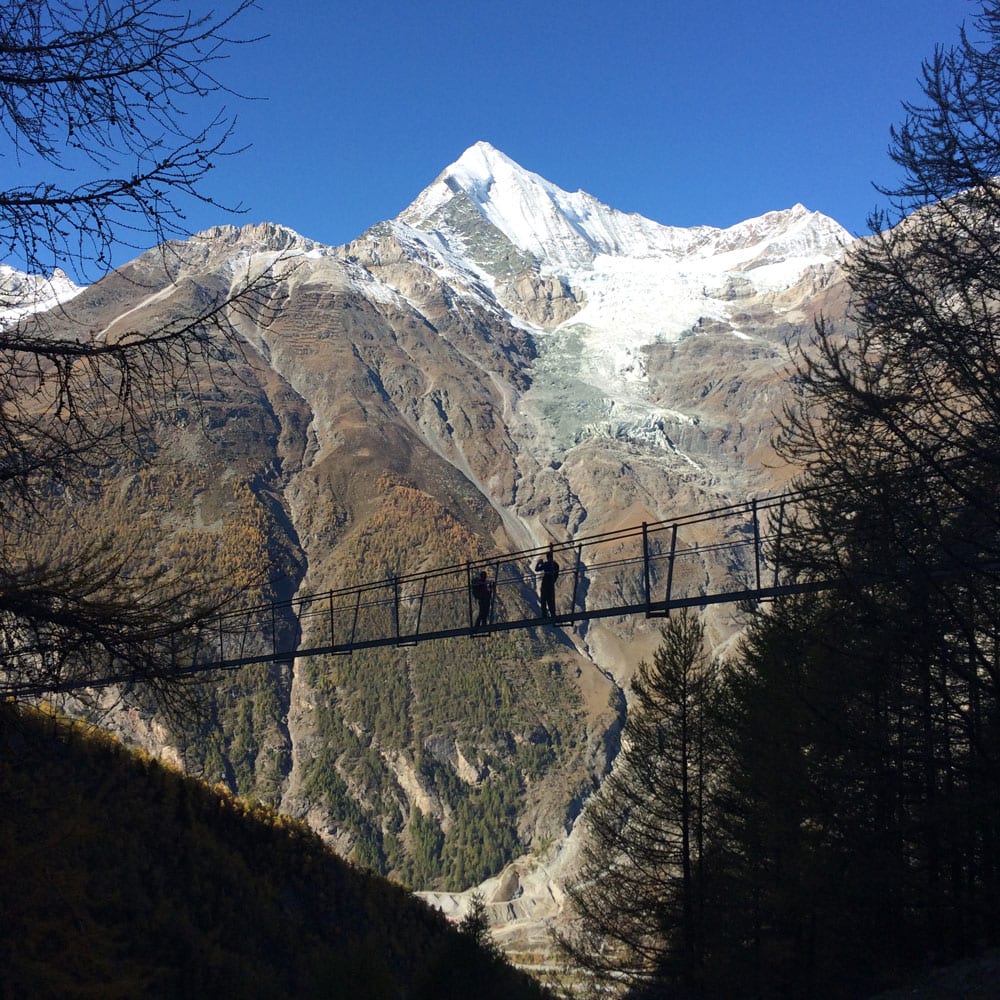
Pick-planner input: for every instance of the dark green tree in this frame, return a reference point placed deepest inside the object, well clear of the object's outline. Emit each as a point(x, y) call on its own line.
point(877, 847)
point(640, 894)
point(476, 926)
point(817, 804)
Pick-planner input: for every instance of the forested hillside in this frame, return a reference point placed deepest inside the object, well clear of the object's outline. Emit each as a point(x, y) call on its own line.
point(123, 878)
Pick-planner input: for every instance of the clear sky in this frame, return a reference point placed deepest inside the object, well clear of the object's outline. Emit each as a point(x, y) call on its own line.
point(686, 111)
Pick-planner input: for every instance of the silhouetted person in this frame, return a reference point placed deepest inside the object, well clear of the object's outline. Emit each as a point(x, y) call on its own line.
point(549, 569)
point(482, 590)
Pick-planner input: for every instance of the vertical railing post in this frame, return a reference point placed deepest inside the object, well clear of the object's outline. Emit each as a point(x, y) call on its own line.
point(670, 565)
point(420, 606)
point(354, 624)
point(493, 594)
point(777, 542)
point(647, 592)
point(222, 652)
point(756, 546)
point(468, 591)
point(331, 617)
point(395, 603)
point(576, 579)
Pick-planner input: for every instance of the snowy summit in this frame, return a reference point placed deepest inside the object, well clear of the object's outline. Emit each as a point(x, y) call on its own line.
point(22, 294)
point(638, 282)
point(567, 231)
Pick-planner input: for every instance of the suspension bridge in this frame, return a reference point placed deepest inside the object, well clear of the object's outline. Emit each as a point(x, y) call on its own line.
point(727, 554)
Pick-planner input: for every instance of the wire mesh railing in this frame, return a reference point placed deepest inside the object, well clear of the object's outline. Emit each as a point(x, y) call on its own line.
point(729, 553)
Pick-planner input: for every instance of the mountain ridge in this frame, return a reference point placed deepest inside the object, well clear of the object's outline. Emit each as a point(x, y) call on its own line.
point(519, 202)
point(419, 396)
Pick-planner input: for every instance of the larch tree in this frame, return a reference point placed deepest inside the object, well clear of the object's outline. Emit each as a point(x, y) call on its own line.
point(113, 115)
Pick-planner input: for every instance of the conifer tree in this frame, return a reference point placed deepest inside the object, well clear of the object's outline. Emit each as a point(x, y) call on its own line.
point(639, 894)
point(891, 743)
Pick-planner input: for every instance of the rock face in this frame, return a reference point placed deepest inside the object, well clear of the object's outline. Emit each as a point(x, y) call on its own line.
point(503, 364)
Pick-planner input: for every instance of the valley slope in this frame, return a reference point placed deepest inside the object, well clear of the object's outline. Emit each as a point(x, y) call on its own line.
point(503, 364)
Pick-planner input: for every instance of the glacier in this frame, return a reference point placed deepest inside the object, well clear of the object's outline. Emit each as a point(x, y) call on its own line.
point(638, 283)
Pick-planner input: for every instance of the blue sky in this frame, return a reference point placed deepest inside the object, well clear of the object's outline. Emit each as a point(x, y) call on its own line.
point(695, 112)
point(690, 113)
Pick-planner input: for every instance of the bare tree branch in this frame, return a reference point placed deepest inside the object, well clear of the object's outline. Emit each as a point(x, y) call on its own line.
point(103, 106)
point(116, 91)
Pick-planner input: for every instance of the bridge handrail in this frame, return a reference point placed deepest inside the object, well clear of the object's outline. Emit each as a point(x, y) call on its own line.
point(468, 567)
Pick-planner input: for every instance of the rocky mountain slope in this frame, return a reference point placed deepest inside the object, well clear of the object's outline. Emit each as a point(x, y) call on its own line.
point(503, 364)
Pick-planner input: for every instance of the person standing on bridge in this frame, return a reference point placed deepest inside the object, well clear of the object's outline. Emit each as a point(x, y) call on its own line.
point(482, 591)
point(549, 569)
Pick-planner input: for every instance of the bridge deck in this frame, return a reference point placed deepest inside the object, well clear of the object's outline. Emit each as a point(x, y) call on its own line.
point(655, 609)
point(709, 557)
point(728, 554)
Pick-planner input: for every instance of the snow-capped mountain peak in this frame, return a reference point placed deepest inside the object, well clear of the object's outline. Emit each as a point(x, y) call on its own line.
point(22, 294)
point(561, 230)
point(565, 231)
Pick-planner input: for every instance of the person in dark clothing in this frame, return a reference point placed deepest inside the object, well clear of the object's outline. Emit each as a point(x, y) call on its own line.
point(482, 590)
point(549, 569)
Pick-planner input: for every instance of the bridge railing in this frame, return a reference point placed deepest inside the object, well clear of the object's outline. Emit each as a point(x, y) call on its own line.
point(706, 557)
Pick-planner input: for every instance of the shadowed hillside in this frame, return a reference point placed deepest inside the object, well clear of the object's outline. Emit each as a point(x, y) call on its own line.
point(122, 878)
